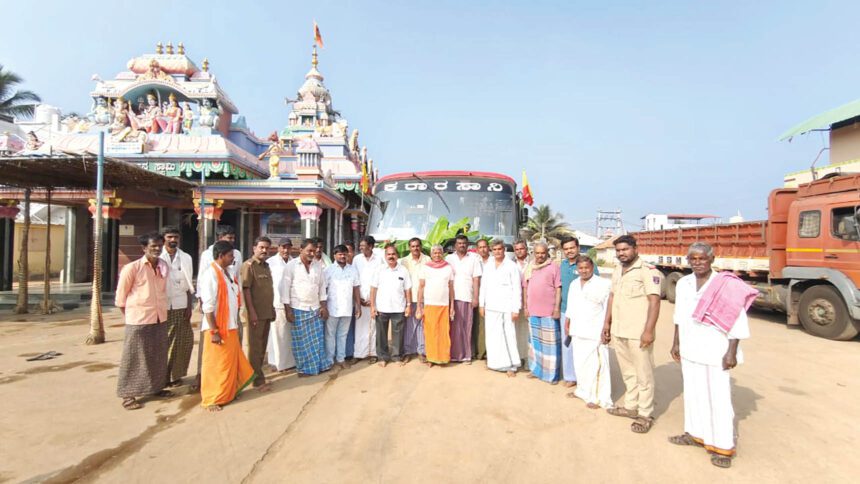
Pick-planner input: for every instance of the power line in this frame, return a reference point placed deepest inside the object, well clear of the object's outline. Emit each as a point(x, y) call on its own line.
point(609, 223)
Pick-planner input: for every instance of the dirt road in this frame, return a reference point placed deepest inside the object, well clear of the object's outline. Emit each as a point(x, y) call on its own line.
point(62, 422)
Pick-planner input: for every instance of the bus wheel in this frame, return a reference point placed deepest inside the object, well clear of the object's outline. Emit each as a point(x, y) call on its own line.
point(823, 313)
point(671, 282)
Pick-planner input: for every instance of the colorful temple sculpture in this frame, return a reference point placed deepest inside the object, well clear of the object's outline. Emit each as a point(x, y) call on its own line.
point(166, 114)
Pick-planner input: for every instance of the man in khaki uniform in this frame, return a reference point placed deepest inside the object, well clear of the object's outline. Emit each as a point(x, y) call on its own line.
point(258, 294)
point(633, 308)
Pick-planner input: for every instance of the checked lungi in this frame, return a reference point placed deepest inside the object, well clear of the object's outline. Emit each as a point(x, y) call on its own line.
point(308, 334)
point(546, 348)
point(143, 367)
point(180, 339)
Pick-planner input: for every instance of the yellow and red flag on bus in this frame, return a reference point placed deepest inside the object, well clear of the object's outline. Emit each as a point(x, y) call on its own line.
point(528, 198)
point(318, 35)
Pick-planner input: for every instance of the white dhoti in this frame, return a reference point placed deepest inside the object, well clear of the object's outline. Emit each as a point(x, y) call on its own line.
point(591, 361)
point(279, 346)
point(708, 413)
point(365, 335)
point(501, 341)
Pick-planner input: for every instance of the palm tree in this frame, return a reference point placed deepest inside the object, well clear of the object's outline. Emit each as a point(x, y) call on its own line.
point(545, 225)
point(15, 103)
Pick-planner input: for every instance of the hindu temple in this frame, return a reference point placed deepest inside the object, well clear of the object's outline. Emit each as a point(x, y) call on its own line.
point(170, 116)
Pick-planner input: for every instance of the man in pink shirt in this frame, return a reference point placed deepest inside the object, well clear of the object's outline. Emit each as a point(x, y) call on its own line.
point(542, 288)
point(141, 295)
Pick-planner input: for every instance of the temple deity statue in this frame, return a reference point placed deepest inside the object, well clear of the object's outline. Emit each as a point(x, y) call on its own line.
point(170, 120)
point(274, 152)
point(100, 114)
point(353, 142)
point(120, 127)
point(148, 118)
point(74, 124)
point(187, 117)
point(33, 142)
point(119, 115)
point(339, 129)
point(208, 114)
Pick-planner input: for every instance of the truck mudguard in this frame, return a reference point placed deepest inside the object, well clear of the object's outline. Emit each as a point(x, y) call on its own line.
point(840, 281)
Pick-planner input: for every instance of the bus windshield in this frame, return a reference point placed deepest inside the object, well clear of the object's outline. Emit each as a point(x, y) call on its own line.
point(410, 208)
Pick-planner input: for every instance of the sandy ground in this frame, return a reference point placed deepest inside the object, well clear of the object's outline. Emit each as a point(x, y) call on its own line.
point(61, 420)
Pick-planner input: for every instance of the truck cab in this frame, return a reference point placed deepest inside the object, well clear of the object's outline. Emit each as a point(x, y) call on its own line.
point(821, 260)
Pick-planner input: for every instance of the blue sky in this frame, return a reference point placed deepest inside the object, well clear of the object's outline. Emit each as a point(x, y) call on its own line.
point(670, 106)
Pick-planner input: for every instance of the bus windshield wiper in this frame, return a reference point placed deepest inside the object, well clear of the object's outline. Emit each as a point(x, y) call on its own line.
point(433, 189)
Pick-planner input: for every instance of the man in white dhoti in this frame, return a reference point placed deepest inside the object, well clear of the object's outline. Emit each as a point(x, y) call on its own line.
point(500, 299)
point(706, 344)
point(586, 311)
point(367, 262)
point(279, 348)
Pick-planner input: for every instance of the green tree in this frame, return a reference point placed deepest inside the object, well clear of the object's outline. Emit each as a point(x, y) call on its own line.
point(15, 102)
point(545, 225)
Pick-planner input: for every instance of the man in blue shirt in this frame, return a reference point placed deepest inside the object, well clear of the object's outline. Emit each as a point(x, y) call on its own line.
point(570, 247)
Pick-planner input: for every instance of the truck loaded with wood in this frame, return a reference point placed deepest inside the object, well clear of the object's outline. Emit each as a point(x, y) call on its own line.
point(804, 259)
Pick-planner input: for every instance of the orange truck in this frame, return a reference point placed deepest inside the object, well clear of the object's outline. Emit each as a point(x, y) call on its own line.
point(804, 259)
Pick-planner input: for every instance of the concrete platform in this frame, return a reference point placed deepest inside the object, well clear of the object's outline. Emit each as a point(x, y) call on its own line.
point(68, 296)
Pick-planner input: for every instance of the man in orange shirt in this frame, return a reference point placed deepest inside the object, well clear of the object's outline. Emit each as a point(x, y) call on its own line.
point(141, 295)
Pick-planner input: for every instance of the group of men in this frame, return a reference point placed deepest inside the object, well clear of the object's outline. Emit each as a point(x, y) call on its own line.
point(313, 313)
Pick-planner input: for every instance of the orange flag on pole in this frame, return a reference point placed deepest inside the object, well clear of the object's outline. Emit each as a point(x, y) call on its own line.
point(528, 198)
point(318, 35)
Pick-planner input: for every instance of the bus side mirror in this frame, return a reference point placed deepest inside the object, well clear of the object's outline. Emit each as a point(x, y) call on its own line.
point(524, 214)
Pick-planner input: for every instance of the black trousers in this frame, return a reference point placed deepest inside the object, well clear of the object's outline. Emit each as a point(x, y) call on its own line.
point(382, 323)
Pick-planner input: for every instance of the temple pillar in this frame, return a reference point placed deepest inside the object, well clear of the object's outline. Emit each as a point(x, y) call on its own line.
point(338, 227)
point(8, 212)
point(69, 246)
point(329, 229)
point(212, 212)
point(353, 224)
point(112, 211)
point(242, 231)
point(309, 212)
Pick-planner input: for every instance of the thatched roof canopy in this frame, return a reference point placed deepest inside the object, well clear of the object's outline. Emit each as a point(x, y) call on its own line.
point(79, 171)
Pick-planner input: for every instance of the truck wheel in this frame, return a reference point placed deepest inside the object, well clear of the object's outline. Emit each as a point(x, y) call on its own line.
point(823, 313)
point(671, 282)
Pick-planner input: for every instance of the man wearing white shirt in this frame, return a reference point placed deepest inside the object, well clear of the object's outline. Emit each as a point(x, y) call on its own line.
point(366, 262)
point(280, 342)
point(226, 370)
point(479, 348)
point(344, 302)
point(467, 277)
point(227, 234)
point(304, 298)
point(500, 300)
point(587, 298)
point(390, 295)
point(706, 354)
point(180, 293)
